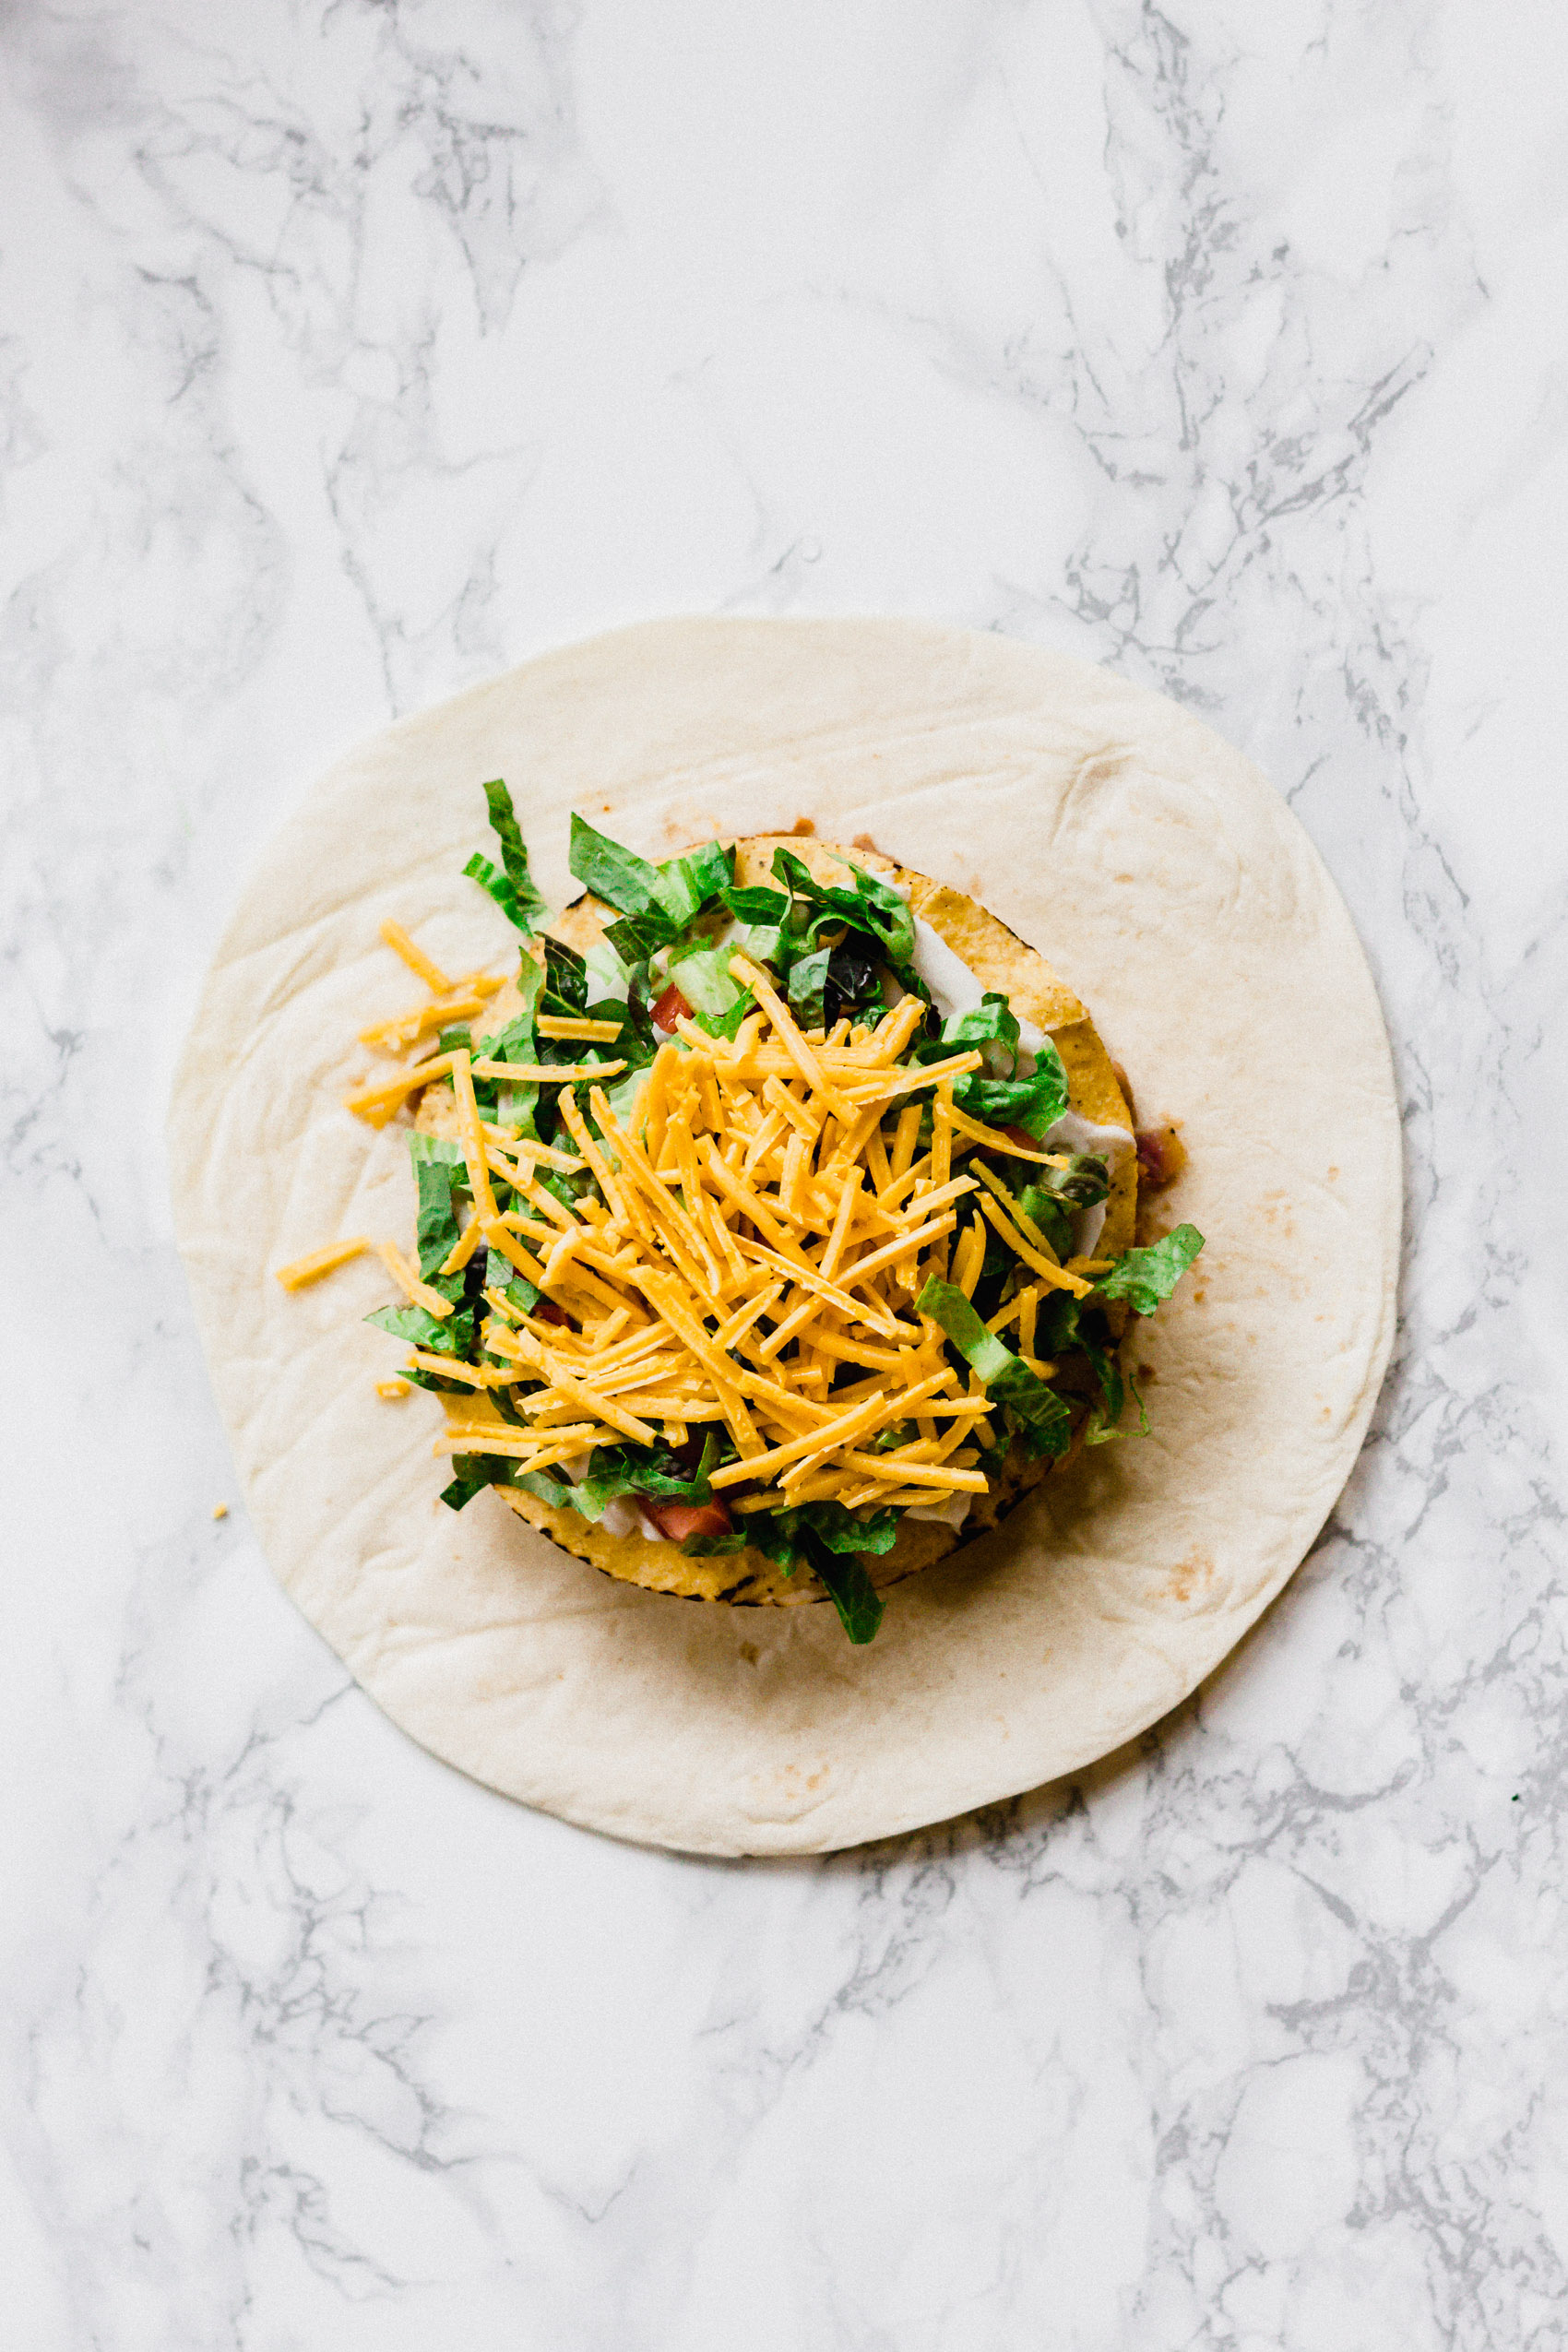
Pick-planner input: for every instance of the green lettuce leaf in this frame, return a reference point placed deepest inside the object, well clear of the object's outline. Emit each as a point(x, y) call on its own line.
point(438, 1335)
point(1146, 1277)
point(849, 1588)
point(826, 1539)
point(636, 938)
point(703, 975)
point(870, 906)
point(474, 1473)
point(772, 944)
point(755, 904)
point(726, 1024)
point(436, 1162)
point(644, 1470)
point(689, 885)
point(555, 1492)
point(566, 981)
point(1053, 1197)
point(609, 974)
point(827, 1523)
point(660, 900)
point(618, 877)
point(433, 1333)
point(1034, 1103)
point(502, 1275)
point(990, 1022)
point(514, 890)
point(1007, 1378)
point(808, 980)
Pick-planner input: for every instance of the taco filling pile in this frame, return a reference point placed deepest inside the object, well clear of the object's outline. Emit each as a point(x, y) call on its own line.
point(765, 1250)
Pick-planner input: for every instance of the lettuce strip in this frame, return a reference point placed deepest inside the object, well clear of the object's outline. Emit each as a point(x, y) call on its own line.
point(1007, 1378)
point(514, 889)
point(1146, 1277)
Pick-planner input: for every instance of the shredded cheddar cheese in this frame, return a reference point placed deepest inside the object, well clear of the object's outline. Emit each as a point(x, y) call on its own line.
point(295, 1277)
point(761, 1218)
point(435, 978)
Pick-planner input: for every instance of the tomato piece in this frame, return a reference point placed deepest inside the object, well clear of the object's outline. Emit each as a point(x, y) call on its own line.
point(548, 1312)
point(1022, 1135)
point(1161, 1156)
point(679, 1520)
point(670, 1008)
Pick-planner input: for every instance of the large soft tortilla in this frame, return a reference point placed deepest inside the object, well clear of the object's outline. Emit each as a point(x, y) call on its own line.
point(1174, 892)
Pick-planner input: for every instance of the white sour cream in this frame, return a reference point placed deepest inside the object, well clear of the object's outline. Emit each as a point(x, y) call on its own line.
point(951, 1511)
point(1073, 1132)
point(621, 1515)
point(954, 989)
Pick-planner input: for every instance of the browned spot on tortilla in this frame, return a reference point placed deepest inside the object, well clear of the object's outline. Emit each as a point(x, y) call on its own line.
point(1196, 1570)
point(1147, 1372)
point(802, 824)
point(749, 1652)
point(864, 841)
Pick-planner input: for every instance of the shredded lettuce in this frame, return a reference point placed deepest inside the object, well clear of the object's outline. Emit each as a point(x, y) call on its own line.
point(711, 1547)
point(608, 973)
point(474, 1472)
point(808, 982)
point(661, 901)
point(860, 1607)
point(870, 906)
point(451, 1335)
point(1053, 1197)
point(754, 903)
point(565, 980)
point(555, 1492)
point(1146, 1277)
point(514, 889)
point(1036, 1408)
point(415, 1325)
point(827, 1539)
point(643, 1469)
point(436, 1161)
point(703, 975)
point(688, 886)
point(515, 1106)
point(1034, 1103)
point(990, 1022)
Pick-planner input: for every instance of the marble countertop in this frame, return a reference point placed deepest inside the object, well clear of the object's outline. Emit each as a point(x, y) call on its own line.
point(350, 351)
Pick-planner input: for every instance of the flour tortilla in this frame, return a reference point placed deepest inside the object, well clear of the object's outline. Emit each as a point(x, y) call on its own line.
point(998, 959)
point(1160, 874)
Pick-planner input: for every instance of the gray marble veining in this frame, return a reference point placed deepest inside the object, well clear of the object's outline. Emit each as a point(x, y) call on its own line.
point(350, 350)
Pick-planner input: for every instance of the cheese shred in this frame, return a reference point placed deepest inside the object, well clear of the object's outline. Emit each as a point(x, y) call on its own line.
point(764, 1211)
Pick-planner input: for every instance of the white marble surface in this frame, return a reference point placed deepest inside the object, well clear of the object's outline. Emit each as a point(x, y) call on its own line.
point(348, 352)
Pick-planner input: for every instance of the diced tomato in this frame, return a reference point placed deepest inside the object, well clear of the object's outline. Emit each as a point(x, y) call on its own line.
point(548, 1312)
point(679, 1520)
point(1021, 1135)
point(1161, 1156)
point(671, 1008)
